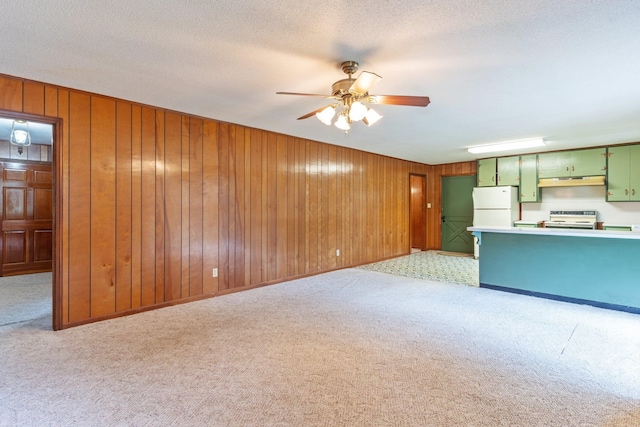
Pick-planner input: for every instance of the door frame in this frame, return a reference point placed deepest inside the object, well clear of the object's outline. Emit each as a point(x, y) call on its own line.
point(424, 212)
point(56, 168)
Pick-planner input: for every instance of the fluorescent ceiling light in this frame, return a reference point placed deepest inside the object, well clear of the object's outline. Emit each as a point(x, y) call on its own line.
point(504, 146)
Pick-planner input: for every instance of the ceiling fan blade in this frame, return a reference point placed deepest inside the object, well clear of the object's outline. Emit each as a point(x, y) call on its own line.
point(304, 94)
point(313, 113)
point(364, 82)
point(411, 101)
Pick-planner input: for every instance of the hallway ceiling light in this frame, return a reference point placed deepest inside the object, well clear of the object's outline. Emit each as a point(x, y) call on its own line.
point(20, 135)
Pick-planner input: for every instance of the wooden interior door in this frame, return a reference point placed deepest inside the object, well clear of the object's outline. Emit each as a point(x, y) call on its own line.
point(418, 214)
point(26, 238)
point(457, 213)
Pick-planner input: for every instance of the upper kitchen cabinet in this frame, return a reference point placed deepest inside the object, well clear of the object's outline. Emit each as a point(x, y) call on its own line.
point(487, 172)
point(509, 170)
point(623, 173)
point(590, 162)
point(529, 191)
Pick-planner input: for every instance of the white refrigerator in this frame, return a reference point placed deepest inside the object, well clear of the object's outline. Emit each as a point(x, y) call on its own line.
point(495, 207)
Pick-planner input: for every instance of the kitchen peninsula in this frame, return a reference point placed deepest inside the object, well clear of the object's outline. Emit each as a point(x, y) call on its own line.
point(595, 267)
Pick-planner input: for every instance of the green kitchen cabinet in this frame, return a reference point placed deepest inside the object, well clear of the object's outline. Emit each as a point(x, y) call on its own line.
point(554, 165)
point(487, 172)
point(623, 173)
point(592, 162)
point(529, 191)
point(509, 170)
point(589, 162)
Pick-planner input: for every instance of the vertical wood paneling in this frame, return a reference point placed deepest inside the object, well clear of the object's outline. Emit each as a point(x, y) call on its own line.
point(173, 210)
point(153, 200)
point(238, 204)
point(264, 265)
point(272, 218)
point(10, 94)
point(332, 206)
point(281, 206)
point(103, 206)
point(51, 101)
point(33, 98)
point(223, 208)
point(160, 204)
point(136, 206)
point(231, 208)
point(123, 206)
point(63, 187)
point(291, 208)
point(79, 207)
point(195, 206)
point(246, 223)
point(255, 221)
point(301, 203)
point(185, 208)
point(148, 228)
point(313, 212)
point(210, 205)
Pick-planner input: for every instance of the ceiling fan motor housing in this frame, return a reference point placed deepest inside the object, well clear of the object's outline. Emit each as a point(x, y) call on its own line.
point(349, 67)
point(341, 87)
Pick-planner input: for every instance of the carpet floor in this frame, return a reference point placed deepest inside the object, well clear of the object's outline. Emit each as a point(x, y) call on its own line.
point(348, 348)
point(25, 297)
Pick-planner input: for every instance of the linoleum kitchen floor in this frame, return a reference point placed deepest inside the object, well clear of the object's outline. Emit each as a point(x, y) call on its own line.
point(432, 265)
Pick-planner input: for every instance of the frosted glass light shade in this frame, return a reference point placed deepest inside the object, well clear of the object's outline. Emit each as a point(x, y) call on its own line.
point(326, 115)
point(372, 117)
point(19, 136)
point(357, 111)
point(342, 123)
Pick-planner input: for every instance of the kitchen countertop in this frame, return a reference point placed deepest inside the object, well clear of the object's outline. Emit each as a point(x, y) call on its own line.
point(607, 234)
point(595, 267)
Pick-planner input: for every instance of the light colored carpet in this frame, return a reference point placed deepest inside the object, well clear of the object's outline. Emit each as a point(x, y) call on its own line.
point(347, 348)
point(25, 297)
point(432, 265)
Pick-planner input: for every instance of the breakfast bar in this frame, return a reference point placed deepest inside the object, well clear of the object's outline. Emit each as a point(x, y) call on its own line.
point(595, 267)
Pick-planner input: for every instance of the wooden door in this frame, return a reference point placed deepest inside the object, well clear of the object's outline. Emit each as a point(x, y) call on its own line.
point(26, 238)
point(418, 214)
point(457, 213)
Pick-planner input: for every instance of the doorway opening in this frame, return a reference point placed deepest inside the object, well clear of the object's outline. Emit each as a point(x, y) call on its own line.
point(418, 213)
point(27, 220)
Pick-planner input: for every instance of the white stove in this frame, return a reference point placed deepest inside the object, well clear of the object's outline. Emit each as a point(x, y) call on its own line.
point(572, 219)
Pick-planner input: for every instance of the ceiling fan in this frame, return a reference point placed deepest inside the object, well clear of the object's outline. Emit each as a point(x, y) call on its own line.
point(350, 94)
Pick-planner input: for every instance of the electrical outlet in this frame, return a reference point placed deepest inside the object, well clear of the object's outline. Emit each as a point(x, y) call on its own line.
point(337, 252)
point(214, 273)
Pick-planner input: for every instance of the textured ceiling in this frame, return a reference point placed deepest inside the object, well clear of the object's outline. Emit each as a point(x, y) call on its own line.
point(495, 70)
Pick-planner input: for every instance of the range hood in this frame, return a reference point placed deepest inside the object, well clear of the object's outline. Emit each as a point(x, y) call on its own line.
point(571, 182)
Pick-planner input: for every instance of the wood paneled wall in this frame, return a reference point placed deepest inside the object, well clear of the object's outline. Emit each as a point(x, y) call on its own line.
point(150, 201)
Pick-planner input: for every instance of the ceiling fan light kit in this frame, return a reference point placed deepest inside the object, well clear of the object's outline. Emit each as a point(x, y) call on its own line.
point(351, 94)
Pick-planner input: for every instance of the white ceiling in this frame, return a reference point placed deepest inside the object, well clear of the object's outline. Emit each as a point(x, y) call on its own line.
point(495, 70)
